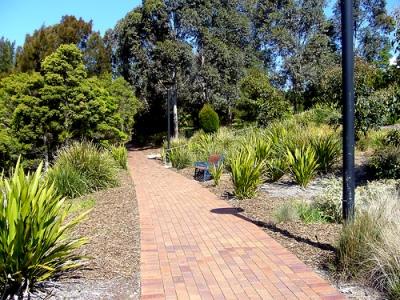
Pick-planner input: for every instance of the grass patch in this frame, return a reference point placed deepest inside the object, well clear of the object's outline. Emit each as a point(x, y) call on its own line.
point(82, 168)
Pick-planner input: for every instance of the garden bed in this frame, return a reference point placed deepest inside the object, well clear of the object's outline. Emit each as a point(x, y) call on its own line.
point(114, 247)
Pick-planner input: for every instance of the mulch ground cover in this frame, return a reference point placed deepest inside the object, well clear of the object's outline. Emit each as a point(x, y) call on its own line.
point(114, 247)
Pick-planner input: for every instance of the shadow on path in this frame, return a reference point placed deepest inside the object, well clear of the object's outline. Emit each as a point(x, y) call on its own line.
point(270, 226)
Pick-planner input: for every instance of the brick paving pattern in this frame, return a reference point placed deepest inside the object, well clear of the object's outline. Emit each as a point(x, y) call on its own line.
point(193, 246)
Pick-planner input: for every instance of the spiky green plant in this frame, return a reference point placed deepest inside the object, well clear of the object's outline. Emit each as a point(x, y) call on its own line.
point(302, 164)
point(246, 173)
point(120, 155)
point(276, 168)
point(34, 246)
point(180, 157)
point(216, 171)
point(327, 150)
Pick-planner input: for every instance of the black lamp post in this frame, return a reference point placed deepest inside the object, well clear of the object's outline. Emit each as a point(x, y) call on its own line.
point(348, 109)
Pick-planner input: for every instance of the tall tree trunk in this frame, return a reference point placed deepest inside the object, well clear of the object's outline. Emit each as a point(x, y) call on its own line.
point(175, 112)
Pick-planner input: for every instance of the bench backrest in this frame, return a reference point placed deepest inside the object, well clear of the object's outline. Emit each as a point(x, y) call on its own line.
point(214, 159)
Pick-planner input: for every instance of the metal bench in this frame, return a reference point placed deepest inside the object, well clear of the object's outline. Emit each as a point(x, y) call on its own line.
point(202, 168)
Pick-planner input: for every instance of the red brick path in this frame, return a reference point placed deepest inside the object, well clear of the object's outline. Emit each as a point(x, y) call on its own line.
point(193, 247)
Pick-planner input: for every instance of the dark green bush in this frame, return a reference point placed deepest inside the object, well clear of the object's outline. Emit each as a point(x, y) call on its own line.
point(385, 163)
point(393, 138)
point(208, 118)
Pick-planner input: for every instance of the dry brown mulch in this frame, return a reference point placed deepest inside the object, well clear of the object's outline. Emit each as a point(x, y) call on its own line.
point(114, 247)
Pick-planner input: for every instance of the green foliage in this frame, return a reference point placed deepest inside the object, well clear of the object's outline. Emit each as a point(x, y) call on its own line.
point(259, 100)
point(286, 213)
point(309, 213)
point(375, 139)
point(393, 138)
point(327, 150)
point(373, 110)
point(322, 114)
point(41, 113)
point(70, 30)
point(385, 163)
point(246, 173)
point(34, 246)
point(216, 171)
point(303, 164)
point(329, 203)
point(180, 157)
point(276, 168)
point(82, 167)
point(208, 118)
point(120, 155)
point(7, 56)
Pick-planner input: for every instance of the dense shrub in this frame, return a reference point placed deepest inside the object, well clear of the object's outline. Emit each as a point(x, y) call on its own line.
point(180, 157)
point(385, 163)
point(246, 173)
point(208, 118)
point(322, 114)
point(374, 110)
point(34, 246)
point(86, 164)
point(302, 164)
point(392, 138)
point(330, 202)
point(120, 155)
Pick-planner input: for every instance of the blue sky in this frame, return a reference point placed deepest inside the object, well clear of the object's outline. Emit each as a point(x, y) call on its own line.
point(19, 17)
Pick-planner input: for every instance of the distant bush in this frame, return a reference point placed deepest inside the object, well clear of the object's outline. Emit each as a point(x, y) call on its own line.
point(246, 173)
point(120, 155)
point(385, 163)
point(81, 168)
point(322, 114)
point(303, 164)
point(375, 110)
point(208, 118)
point(34, 245)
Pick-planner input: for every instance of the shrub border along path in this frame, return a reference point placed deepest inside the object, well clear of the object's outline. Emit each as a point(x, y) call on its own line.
point(194, 246)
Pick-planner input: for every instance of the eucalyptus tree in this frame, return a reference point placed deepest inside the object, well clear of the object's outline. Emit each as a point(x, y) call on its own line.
point(372, 28)
point(293, 37)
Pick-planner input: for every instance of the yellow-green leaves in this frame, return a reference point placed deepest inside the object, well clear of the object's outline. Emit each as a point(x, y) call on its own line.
point(33, 227)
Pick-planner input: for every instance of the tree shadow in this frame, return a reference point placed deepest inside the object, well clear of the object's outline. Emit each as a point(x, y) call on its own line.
point(272, 227)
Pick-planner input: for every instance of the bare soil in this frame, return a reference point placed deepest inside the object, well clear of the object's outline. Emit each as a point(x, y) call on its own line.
point(114, 247)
